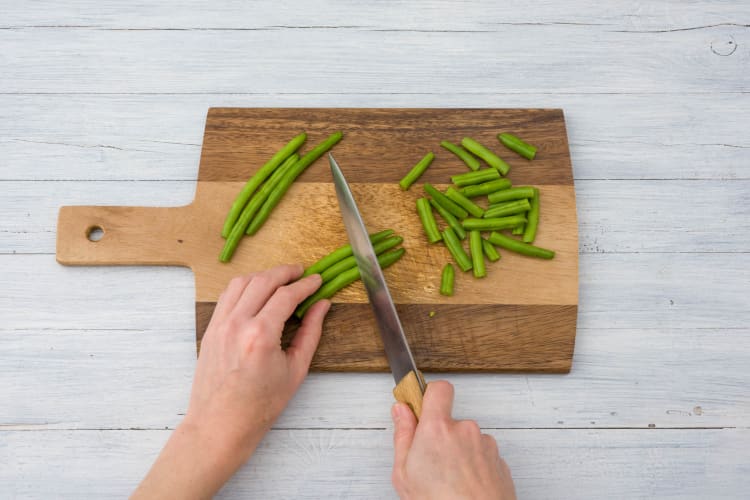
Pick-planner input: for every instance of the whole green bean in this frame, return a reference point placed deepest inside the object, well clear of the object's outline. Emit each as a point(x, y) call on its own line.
point(238, 231)
point(464, 202)
point(488, 156)
point(465, 156)
point(478, 177)
point(445, 202)
point(495, 224)
point(256, 180)
point(520, 247)
point(515, 144)
point(477, 254)
point(485, 188)
point(351, 261)
point(447, 278)
point(341, 253)
point(456, 249)
point(490, 251)
point(344, 279)
point(450, 219)
point(275, 197)
point(515, 193)
point(529, 232)
point(507, 208)
point(416, 171)
point(428, 220)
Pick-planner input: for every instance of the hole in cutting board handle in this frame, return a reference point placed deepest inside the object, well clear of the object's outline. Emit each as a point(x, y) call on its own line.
point(94, 233)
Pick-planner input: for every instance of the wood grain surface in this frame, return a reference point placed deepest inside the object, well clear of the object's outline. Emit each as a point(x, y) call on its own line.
point(521, 317)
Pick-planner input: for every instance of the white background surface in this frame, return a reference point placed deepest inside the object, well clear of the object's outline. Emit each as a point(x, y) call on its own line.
point(105, 102)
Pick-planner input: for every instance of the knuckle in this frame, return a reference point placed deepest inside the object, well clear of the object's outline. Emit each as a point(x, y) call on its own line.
point(470, 428)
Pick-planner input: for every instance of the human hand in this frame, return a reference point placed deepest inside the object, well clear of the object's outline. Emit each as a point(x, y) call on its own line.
point(445, 458)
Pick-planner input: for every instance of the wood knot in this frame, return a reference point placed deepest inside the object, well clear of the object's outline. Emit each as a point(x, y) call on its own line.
point(724, 47)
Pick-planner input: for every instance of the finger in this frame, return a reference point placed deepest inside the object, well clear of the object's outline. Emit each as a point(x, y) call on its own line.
point(302, 347)
point(405, 425)
point(285, 299)
point(438, 400)
point(263, 285)
point(489, 445)
point(231, 295)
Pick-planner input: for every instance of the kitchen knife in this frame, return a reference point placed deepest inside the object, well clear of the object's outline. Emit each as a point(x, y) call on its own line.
point(410, 385)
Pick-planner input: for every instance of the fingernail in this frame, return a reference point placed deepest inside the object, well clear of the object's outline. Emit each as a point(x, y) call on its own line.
point(395, 413)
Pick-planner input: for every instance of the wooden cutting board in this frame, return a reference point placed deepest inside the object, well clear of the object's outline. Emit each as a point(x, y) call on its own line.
point(521, 317)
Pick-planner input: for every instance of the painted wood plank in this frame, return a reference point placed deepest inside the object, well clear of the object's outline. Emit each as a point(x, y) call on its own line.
point(142, 137)
point(613, 216)
point(615, 464)
point(73, 378)
point(435, 15)
point(190, 61)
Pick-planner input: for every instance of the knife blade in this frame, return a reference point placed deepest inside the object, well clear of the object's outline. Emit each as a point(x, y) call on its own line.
point(410, 384)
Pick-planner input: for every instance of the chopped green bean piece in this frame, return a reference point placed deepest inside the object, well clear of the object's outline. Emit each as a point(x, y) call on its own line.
point(428, 220)
point(464, 202)
point(519, 229)
point(445, 202)
point(344, 264)
point(416, 171)
point(256, 180)
point(477, 254)
point(485, 188)
point(450, 219)
point(285, 183)
point(490, 251)
point(516, 193)
point(344, 279)
point(507, 208)
point(529, 232)
point(488, 156)
point(515, 144)
point(447, 278)
point(456, 249)
point(342, 253)
point(465, 156)
point(495, 224)
point(478, 177)
point(519, 246)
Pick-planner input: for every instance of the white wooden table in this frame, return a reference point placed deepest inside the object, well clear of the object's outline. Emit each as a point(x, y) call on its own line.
point(104, 103)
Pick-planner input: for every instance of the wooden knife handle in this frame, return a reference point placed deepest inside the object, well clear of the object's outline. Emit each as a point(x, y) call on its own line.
point(129, 235)
point(408, 391)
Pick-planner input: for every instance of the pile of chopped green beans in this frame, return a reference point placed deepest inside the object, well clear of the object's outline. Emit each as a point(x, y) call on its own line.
point(512, 209)
point(260, 195)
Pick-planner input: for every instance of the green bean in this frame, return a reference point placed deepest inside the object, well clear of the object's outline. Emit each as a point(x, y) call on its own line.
point(485, 188)
point(342, 265)
point(478, 177)
point(520, 247)
point(495, 224)
point(428, 220)
point(529, 232)
point(488, 156)
point(447, 278)
point(520, 229)
point(445, 202)
point(450, 219)
point(456, 249)
point(416, 171)
point(341, 253)
point(238, 231)
point(515, 144)
point(464, 202)
point(256, 180)
point(490, 251)
point(465, 156)
point(477, 254)
point(507, 208)
point(515, 193)
point(275, 197)
point(344, 279)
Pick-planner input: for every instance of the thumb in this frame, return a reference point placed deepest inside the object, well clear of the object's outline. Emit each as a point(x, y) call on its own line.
point(405, 424)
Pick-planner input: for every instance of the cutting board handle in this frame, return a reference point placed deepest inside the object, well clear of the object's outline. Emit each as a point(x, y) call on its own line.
point(90, 235)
